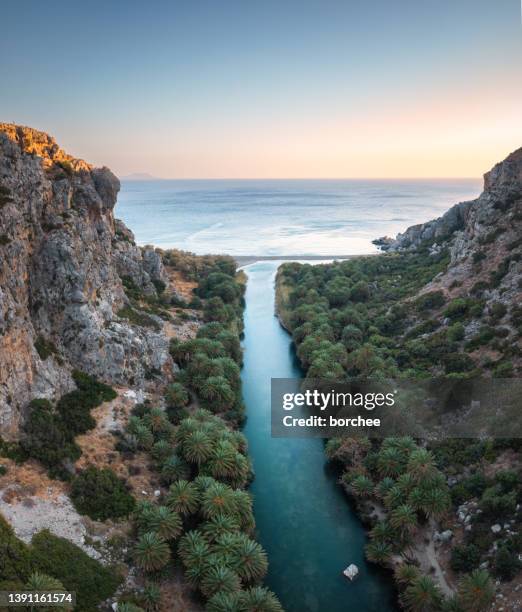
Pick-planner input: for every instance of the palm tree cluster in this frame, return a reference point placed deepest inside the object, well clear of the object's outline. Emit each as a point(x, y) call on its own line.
point(419, 593)
point(404, 478)
point(210, 369)
point(206, 511)
point(206, 517)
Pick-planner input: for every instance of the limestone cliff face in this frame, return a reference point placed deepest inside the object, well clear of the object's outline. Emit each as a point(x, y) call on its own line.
point(62, 259)
point(499, 201)
point(483, 236)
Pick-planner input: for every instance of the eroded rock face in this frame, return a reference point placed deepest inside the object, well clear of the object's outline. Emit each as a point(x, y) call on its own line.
point(466, 220)
point(62, 256)
point(484, 240)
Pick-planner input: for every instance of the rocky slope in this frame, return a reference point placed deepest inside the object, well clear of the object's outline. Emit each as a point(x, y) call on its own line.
point(62, 260)
point(483, 237)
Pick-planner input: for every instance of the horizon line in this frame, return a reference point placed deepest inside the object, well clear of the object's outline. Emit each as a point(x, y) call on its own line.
point(297, 178)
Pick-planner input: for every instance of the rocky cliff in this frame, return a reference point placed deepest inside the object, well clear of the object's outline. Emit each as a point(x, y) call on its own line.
point(64, 260)
point(483, 238)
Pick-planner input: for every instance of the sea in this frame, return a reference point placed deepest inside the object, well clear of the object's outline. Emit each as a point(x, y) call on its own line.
point(283, 217)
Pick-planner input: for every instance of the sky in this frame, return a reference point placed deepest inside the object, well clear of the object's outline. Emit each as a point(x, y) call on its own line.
point(271, 88)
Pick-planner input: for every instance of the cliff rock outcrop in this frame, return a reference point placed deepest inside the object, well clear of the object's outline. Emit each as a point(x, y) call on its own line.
point(62, 260)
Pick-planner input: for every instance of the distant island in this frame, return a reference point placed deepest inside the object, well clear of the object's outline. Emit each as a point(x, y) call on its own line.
point(140, 176)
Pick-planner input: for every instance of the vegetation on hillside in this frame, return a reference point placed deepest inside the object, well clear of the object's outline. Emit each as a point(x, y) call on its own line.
point(365, 317)
point(205, 517)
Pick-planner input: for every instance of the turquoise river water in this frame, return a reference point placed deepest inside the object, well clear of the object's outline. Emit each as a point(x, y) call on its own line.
point(304, 520)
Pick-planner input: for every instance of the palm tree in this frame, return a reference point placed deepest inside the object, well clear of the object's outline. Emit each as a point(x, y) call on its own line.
point(193, 549)
point(165, 522)
point(432, 502)
point(390, 462)
point(241, 472)
point(216, 389)
point(382, 531)
point(238, 440)
point(404, 519)
point(183, 497)
point(157, 420)
point(218, 499)
point(202, 483)
point(219, 525)
point(222, 461)
point(151, 596)
point(405, 444)
point(42, 582)
point(437, 502)
point(362, 486)
point(421, 464)
point(422, 595)
point(476, 591)
point(226, 545)
point(174, 468)
point(384, 487)
point(224, 602)
point(185, 428)
point(151, 552)
point(259, 599)
point(248, 558)
point(144, 437)
point(219, 578)
point(406, 483)
point(394, 497)
point(177, 395)
point(160, 450)
point(378, 551)
point(406, 573)
point(197, 448)
point(203, 415)
point(451, 604)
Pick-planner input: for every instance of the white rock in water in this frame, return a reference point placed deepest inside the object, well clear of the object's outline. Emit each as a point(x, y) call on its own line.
point(351, 571)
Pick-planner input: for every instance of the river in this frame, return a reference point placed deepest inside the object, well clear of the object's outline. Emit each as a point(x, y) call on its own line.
point(304, 521)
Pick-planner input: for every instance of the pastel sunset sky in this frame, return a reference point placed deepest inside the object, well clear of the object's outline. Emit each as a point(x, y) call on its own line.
point(272, 88)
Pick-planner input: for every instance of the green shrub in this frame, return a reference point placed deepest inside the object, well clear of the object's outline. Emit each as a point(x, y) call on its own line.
point(478, 256)
point(497, 310)
point(66, 166)
point(46, 439)
point(5, 196)
point(176, 396)
point(479, 287)
point(457, 309)
point(44, 348)
point(458, 362)
point(15, 557)
point(89, 385)
point(503, 370)
point(506, 564)
point(101, 495)
point(465, 558)
point(430, 300)
point(75, 411)
point(456, 332)
point(484, 336)
point(59, 558)
point(492, 235)
point(137, 317)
